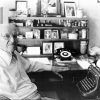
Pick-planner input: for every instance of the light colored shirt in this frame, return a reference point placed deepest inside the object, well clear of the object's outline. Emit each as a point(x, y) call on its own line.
point(14, 81)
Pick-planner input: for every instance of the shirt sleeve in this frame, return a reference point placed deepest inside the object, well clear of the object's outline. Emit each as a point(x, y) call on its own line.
point(33, 66)
point(38, 66)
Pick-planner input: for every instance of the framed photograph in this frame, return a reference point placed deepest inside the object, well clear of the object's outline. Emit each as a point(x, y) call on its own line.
point(49, 7)
point(47, 34)
point(55, 34)
point(47, 47)
point(64, 34)
point(70, 9)
point(29, 34)
point(36, 33)
point(58, 45)
point(21, 8)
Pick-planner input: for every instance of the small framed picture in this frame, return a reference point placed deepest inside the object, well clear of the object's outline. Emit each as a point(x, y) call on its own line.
point(55, 34)
point(21, 8)
point(47, 47)
point(47, 34)
point(64, 34)
point(29, 34)
point(70, 9)
point(58, 45)
point(36, 33)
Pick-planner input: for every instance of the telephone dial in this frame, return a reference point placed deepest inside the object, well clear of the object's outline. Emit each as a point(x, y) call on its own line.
point(63, 54)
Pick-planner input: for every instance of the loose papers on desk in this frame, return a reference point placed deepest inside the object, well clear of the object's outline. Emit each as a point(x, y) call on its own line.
point(32, 51)
point(83, 63)
point(42, 60)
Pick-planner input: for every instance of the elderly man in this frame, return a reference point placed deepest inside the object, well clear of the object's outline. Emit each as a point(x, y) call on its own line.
point(14, 81)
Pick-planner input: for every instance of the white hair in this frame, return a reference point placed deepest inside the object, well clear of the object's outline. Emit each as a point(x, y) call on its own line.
point(7, 28)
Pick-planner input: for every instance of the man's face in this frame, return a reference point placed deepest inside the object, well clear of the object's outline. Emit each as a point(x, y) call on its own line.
point(7, 42)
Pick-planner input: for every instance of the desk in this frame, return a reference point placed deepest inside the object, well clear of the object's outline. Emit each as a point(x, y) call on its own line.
point(50, 85)
point(75, 72)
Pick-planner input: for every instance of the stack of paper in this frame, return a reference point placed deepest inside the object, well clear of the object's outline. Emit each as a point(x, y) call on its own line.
point(42, 60)
point(83, 63)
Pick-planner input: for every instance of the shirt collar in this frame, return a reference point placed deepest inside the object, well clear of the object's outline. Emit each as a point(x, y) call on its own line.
point(5, 56)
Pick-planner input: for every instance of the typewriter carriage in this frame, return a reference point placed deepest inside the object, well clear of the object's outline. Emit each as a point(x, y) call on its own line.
point(89, 86)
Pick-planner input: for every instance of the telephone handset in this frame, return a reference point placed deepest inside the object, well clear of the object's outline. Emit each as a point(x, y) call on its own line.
point(63, 54)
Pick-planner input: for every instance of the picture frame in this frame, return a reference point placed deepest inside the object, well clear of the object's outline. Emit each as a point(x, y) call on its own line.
point(49, 7)
point(47, 34)
point(58, 45)
point(70, 9)
point(64, 34)
point(21, 8)
point(55, 34)
point(36, 33)
point(29, 34)
point(47, 47)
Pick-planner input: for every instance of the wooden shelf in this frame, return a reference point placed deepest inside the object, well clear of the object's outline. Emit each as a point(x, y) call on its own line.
point(47, 18)
point(36, 56)
point(38, 42)
point(52, 27)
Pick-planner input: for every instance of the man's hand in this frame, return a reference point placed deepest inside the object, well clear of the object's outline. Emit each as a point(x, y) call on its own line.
point(57, 69)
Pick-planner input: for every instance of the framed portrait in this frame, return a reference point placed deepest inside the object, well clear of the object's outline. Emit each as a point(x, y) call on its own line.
point(36, 33)
point(47, 34)
point(49, 7)
point(55, 34)
point(58, 45)
point(47, 47)
point(70, 9)
point(21, 8)
point(29, 34)
point(64, 34)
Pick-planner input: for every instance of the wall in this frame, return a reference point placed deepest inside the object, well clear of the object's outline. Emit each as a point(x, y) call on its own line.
point(90, 7)
point(4, 10)
point(92, 10)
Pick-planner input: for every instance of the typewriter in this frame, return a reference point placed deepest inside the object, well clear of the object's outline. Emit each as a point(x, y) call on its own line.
point(90, 85)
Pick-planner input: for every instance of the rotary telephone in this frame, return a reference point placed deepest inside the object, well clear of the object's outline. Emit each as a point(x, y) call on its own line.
point(63, 54)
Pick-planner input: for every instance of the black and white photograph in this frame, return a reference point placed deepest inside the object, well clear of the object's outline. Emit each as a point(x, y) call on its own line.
point(55, 34)
point(70, 9)
point(36, 34)
point(47, 47)
point(21, 8)
point(49, 7)
point(49, 50)
point(47, 34)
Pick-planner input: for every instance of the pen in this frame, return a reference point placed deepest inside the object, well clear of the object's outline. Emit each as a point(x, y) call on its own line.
point(59, 75)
